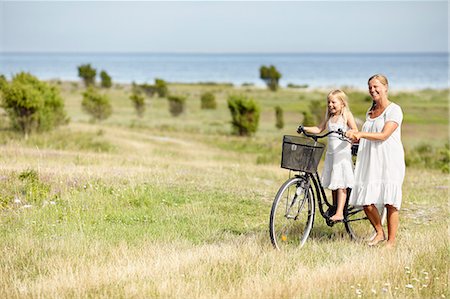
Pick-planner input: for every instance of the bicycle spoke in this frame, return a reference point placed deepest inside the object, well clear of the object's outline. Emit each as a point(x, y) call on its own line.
point(291, 216)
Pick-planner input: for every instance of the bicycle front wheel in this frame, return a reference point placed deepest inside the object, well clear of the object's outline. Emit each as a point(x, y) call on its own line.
point(358, 225)
point(292, 214)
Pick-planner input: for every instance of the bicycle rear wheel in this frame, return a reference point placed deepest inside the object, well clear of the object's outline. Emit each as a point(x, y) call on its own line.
point(292, 214)
point(358, 225)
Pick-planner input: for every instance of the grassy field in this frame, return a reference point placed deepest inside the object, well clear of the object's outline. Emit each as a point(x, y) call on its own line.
point(178, 207)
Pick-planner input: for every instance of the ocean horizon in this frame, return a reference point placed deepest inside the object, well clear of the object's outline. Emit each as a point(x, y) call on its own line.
point(316, 70)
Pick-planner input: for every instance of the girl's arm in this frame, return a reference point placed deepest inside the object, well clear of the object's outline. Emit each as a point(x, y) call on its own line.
point(387, 131)
point(316, 130)
point(351, 123)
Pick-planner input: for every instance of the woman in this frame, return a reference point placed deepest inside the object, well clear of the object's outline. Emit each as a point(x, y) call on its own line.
point(380, 166)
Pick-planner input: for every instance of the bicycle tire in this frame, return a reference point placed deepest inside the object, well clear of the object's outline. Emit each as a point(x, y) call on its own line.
point(358, 225)
point(292, 213)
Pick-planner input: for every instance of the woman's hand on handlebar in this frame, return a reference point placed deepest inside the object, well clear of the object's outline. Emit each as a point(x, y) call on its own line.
point(300, 129)
point(353, 135)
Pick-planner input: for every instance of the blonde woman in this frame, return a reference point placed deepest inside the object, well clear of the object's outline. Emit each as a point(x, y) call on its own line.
point(380, 166)
point(337, 174)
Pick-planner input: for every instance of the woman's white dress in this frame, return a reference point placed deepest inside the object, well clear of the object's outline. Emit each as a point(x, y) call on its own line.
point(380, 165)
point(338, 168)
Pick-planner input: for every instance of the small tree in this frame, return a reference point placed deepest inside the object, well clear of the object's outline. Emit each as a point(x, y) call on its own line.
point(308, 119)
point(271, 76)
point(3, 82)
point(245, 115)
point(176, 104)
point(279, 117)
point(317, 108)
point(208, 101)
point(96, 104)
point(32, 105)
point(139, 103)
point(106, 81)
point(87, 73)
point(161, 88)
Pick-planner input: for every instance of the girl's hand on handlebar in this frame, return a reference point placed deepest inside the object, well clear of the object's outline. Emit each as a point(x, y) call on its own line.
point(300, 129)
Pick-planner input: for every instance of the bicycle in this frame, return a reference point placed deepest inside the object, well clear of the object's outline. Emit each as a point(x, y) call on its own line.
point(294, 207)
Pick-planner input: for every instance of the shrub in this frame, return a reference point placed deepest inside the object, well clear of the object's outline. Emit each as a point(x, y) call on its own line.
point(106, 81)
point(317, 108)
point(428, 156)
point(279, 117)
point(3, 82)
point(139, 103)
point(87, 73)
point(176, 104)
point(271, 76)
point(33, 105)
point(245, 115)
point(161, 88)
point(208, 101)
point(308, 119)
point(96, 104)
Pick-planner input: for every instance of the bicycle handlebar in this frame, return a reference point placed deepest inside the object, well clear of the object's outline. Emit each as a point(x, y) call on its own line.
point(301, 130)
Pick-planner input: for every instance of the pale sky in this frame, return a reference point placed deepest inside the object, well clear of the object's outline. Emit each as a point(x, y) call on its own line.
point(223, 26)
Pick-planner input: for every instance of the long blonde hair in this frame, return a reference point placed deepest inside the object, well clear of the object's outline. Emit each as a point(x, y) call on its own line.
point(344, 100)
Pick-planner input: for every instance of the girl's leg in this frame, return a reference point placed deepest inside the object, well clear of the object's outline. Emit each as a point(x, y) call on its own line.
point(374, 218)
point(341, 197)
point(392, 224)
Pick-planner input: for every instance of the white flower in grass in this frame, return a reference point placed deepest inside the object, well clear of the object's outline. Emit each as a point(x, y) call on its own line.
point(17, 200)
point(27, 206)
point(409, 286)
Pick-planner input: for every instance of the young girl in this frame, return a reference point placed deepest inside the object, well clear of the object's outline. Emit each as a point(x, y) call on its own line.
point(338, 170)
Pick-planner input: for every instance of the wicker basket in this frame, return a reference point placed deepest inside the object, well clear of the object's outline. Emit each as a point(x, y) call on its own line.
point(301, 154)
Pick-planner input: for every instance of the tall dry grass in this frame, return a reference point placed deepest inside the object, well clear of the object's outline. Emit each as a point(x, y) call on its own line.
point(137, 212)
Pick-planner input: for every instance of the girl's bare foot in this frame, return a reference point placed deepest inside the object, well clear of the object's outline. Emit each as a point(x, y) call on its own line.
point(337, 218)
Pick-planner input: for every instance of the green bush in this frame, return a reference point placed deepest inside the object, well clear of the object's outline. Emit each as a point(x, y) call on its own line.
point(138, 102)
point(161, 88)
point(106, 81)
point(33, 105)
point(208, 101)
point(308, 119)
point(3, 82)
point(428, 156)
point(245, 115)
point(271, 76)
point(317, 108)
point(279, 117)
point(176, 104)
point(96, 104)
point(87, 73)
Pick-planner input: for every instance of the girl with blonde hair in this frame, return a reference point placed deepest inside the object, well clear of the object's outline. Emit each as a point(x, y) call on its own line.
point(337, 174)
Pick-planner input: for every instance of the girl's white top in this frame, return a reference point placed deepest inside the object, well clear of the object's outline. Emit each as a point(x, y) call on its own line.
point(338, 168)
point(380, 166)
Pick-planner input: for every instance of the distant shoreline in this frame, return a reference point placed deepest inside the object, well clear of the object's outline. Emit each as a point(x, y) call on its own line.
point(259, 87)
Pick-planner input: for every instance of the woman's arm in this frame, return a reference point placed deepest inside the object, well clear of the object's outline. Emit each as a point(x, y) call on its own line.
point(316, 130)
point(387, 131)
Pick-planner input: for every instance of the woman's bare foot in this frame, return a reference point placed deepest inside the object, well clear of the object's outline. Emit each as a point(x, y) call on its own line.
point(390, 244)
point(378, 238)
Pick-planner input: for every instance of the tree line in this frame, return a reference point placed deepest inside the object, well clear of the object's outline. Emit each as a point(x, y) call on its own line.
point(33, 105)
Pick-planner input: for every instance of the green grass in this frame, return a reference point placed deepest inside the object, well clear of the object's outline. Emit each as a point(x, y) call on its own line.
point(168, 207)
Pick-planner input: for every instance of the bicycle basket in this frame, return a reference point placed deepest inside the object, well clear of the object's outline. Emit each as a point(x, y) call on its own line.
point(301, 154)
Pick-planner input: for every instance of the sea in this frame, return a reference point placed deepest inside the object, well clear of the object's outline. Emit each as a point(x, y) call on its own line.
point(316, 70)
